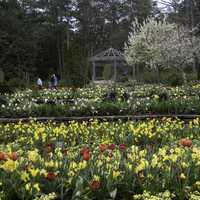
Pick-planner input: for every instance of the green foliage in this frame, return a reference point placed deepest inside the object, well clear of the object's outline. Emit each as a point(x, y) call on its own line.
point(123, 79)
point(16, 83)
point(1, 76)
point(76, 72)
point(5, 88)
point(61, 35)
point(149, 77)
point(48, 110)
point(3, 100)
point(175, 80)
point(17, 42)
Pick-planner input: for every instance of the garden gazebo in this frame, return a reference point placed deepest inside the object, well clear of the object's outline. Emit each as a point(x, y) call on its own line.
point(110, 55)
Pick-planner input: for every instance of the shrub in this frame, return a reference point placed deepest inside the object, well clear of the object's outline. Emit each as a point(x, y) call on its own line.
point(4, 88)
point(123, 78)
point(130, 83)
point(175, 80)
point(16, 83)
point(149, 77)
point(163, 96)
point(48, 110)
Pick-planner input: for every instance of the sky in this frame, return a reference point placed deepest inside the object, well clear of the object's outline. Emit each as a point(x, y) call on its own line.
point(164, 7)
point(160, 4)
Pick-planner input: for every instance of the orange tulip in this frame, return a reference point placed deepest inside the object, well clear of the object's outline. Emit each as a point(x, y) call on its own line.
point(86, 156)
point(185, 142)
point(103, 147)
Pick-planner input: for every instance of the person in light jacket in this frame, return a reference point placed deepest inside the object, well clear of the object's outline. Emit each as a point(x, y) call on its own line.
point(39, 83)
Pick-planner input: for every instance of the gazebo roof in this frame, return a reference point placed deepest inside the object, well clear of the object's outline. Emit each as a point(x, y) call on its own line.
point(110, 54)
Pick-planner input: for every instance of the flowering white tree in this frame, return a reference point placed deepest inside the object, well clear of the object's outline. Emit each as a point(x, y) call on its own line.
point(160, 45)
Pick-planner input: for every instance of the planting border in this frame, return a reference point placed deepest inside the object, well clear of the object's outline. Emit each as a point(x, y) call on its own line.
point(101, 118)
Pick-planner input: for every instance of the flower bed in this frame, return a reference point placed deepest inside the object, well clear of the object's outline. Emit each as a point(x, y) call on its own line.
point(154, 159)
point(98, 101)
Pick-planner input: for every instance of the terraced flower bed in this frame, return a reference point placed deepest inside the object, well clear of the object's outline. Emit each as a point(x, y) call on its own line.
point(102, 101)
point(154, 159)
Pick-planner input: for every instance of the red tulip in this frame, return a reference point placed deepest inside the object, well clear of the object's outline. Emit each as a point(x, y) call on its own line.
point(49, 148)
point(13, 156)
point(122, 147)
point(84, 150)
point(2, 156)
point(51, 176)
point(111, 147)
point(94, 185)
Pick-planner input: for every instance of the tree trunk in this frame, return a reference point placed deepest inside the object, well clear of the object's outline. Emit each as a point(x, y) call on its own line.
point(158, 72)
point(197, 66)
point(139, 72)
point(60, 54)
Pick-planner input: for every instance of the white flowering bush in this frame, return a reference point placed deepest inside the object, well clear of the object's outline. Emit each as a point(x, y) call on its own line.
point(159, 44)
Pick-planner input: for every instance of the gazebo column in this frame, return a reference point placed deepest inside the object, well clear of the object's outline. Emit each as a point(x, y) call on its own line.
point(93, 71)
point(115, 70)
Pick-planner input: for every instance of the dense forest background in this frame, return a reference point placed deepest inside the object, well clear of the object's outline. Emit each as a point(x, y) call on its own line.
point(41, 37)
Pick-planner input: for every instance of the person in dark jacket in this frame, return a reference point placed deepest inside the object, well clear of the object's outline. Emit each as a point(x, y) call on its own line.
point(53, 82)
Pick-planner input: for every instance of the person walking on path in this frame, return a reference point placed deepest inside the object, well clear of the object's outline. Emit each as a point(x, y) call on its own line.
point(39, 83)
point(53, 81)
